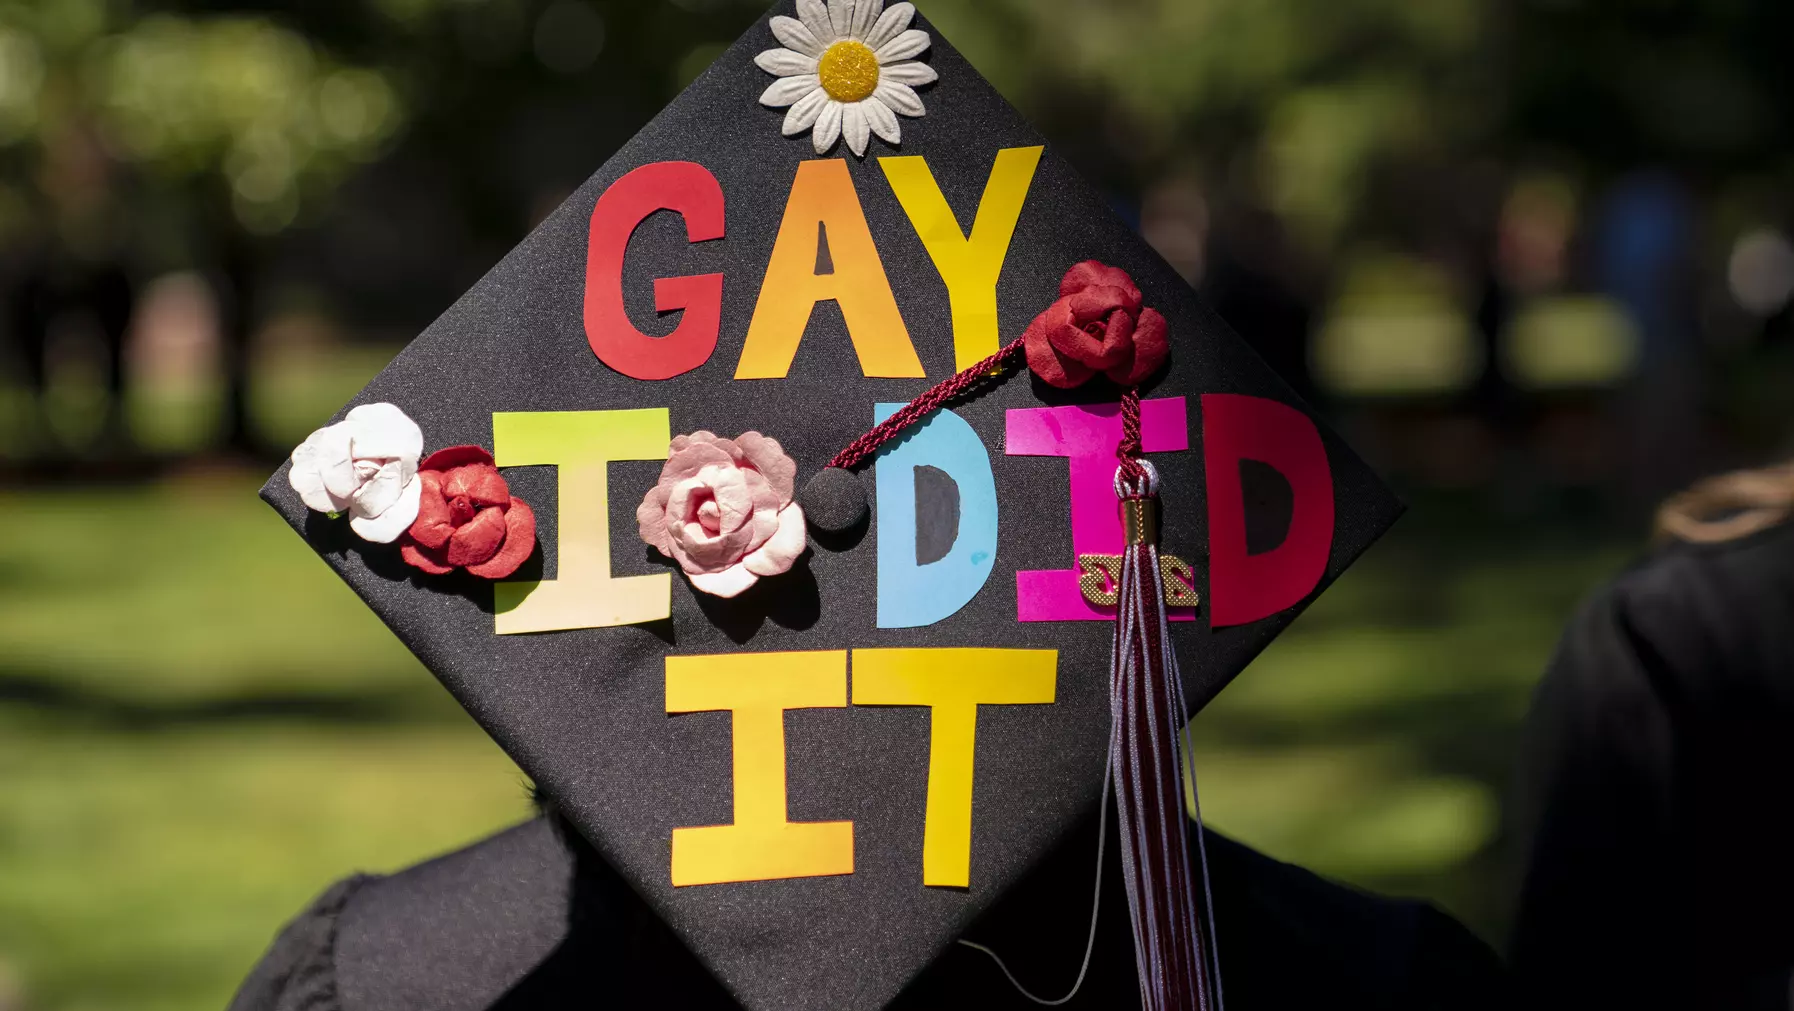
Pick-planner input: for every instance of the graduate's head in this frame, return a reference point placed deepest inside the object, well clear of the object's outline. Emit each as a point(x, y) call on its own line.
point(821, 717)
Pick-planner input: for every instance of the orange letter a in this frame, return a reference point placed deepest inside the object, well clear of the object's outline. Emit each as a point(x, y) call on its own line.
point(823, 195)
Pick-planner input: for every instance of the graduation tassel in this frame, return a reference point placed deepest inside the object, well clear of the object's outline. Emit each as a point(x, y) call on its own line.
point(1167, 895)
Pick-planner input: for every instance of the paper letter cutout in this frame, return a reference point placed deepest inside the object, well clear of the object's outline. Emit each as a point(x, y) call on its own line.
point(1088, 435)
point(1242, 587)
point(693, 192)
point(909, 594)
point(581, 444)
point(823, 195)
point(760, 845)
point(953, 683)
point(970, 267)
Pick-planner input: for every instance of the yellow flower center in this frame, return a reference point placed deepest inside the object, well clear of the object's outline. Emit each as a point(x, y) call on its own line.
point(849, 71)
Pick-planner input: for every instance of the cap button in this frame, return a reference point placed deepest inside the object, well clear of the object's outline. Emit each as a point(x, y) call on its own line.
point(834, 500)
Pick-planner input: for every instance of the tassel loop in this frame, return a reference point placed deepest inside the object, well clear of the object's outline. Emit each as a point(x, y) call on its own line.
point(1139, 504)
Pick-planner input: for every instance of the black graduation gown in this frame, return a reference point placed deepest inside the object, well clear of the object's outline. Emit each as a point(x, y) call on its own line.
point(1652, 802)
point(534, 918)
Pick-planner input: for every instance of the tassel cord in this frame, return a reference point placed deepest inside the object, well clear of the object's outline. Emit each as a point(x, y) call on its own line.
point(956, 385)
point(1096, 898)
point(1208, 947)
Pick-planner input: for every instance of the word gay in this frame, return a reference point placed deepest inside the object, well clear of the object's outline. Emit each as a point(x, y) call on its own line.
point(822, 201)
point(917, 588)
point(757, 688)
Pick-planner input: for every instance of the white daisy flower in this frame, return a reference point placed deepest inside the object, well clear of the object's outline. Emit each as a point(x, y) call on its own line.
point(846, 69)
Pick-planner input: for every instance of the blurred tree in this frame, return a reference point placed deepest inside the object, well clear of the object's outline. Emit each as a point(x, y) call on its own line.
point(1705, 89)
point(1308, 101)
point(387, 151)
point(226, 137)
point(1295, 100)
point(158, 139)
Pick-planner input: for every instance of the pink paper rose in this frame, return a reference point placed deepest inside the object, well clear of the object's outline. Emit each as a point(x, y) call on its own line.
point(723, 511)
point(1098, 325)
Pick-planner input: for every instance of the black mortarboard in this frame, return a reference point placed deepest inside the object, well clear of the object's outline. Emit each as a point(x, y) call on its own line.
point(820, 757)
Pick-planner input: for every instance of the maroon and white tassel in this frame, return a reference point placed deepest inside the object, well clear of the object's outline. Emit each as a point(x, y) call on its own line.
point(1168, 895)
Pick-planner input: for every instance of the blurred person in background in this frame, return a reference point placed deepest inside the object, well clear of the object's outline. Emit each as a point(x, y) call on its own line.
point(1656, 839)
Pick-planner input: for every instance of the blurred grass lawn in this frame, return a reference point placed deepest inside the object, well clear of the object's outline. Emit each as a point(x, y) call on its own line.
point(201, 728)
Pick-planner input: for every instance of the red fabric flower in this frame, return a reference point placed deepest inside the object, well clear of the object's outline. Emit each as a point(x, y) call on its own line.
point(1098, 325)
point(467, 517)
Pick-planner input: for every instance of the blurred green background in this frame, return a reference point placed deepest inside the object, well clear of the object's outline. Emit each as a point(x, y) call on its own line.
point(1531, 257)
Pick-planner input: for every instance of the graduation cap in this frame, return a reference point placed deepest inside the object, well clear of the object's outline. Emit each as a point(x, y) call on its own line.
point(784, 505)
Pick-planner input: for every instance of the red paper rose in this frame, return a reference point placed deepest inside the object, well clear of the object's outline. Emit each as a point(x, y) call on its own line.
point(1098, 325)
point(467, 517)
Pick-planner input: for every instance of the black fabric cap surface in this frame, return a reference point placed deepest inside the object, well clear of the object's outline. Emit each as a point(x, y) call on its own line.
point(583, 712)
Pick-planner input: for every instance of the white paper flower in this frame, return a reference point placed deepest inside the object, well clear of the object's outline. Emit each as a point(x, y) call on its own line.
point(847, 69)
point(365, 464)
